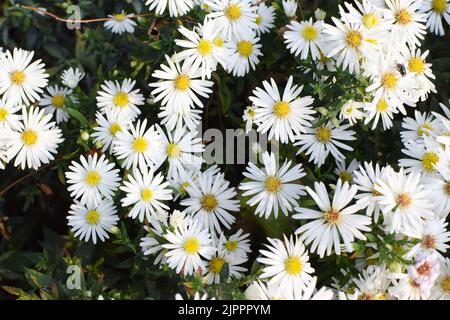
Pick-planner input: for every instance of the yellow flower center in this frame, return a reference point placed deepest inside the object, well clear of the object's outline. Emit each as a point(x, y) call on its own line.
point(404, 200)
point(354, 39)
point(245, 48)
point(382, 105)
point(424, 129)
point(209, 202)
point(445, 284)
point(146, 195)
point(429, 160)
point(258, 20)
point(93, 217)
point(183, 187)
point(281, 109)
point(115, 128)
point(218, 42)
point(231, 245)
point(332, 216)
point(429, 241)
point(120, 17)
point(191, 245)
point(216, 264)
point(205, 47)
point(233, 12)
point(3, 114)
point(58, 101)
point(323, 134)
point(447, 187)
point(439, 6)
point(173, 150)
point(389, 80)
point(18, 78)
point(293, 265)
point(346, 176)
point(403, 17)
point(121, 99)
point(273, 184)
point(93, 178)
point(182, 82)
point(310, 33)
point(370, 20)
point(140, 145)
point(29, 137)
point(416, 65)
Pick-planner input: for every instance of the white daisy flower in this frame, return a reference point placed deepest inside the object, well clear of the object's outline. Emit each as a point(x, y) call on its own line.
point(422, 125)
point(71, 77)
point(334, 222)
point(367, 15)
point(351, 111)
point(425, 269)
point(197, 296)
point(120, 23)
point(34, 142)
point(232, 17)
point(405, 288)
point(408, 24)
point(365, 178)
point(179, 85)
point(383, 109)
point(92, 179)
point(265, 18)
point(434, 11)
point(9, 117)
point(433, 238)
point(201, 49)
point(176, 7)
point(305, 37)
point(290, 8)
point(188, 248)
point(347, 43)
point(273, 188)
point(108, 128)
point(248, 117)
point(120, 96)
point(139, 146)
point(20, 81)
point(182, 149)
point(150, 246)
point(286, 264)
point(424, 158)
point(210, 200)
point(235, 246)
point(184, 116)
point(416, 64)
point(244, 52)
point(346, 173)
point(92, 221)
point(441, 288)
point(372, 284)
point(215, 266)
point(319, 142)
point(146, 192)
point(263, 291)
point(283, 117)
point(404, 202)
point(389, 84)
point(55, 102)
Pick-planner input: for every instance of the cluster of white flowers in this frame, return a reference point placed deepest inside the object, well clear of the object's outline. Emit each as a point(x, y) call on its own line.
point(375, 40)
